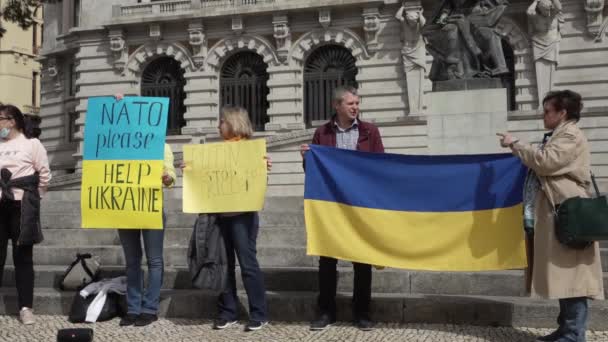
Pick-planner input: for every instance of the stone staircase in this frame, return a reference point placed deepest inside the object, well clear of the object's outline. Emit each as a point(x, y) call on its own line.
point(480, 298)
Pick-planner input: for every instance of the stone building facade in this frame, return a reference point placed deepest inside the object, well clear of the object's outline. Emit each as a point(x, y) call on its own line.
point(281, 58)
point(19, 67)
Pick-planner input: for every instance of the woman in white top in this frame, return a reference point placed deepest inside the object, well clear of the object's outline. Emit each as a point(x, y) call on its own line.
point(25, 174)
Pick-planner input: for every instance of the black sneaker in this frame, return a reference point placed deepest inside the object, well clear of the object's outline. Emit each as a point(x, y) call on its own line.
point(322, 322)
point(255, 325)
point(129, 319)
point(220, 324)
point(364, 324)
point(145, 319)
point(552, 337)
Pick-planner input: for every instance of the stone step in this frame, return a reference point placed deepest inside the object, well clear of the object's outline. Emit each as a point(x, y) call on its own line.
point(279, 204)
point(268, 255)
point(269, 236)
point(178, 219)
point(498, 283)
point(300, 306)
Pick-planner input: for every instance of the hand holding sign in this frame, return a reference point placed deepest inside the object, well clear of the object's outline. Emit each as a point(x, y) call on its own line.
point(123, 162)
point(225, 177)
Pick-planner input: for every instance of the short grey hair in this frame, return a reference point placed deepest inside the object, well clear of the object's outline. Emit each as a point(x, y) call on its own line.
point(340, 91)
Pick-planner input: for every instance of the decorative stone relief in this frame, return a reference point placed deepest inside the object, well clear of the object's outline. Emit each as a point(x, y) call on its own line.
point(596, 24)
point(544, 20)
point(118, 47)
point(413, 54)
point(371, 27)
point(224, 47)
point(155, 31)
point(198, 42)
point(237, 25)
point(344, 37)
point(325, 18)
point(53, 72)
point(175, 50)
point(282, 35)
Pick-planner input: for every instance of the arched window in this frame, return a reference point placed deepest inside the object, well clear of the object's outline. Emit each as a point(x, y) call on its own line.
point(164, 77)
point(243, 83)
point(326, 68)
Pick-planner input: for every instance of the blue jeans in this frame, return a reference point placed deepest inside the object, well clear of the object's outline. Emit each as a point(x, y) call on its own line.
point(572, 319)
point(137, 301)
point(240, 233)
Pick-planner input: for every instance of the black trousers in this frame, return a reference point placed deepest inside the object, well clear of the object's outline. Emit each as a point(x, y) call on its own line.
point(328, 281)
point(10, 222)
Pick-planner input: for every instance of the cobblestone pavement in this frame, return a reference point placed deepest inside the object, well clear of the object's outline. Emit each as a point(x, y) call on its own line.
point(187, 330)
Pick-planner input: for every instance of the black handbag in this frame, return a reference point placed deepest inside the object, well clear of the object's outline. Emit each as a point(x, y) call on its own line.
point(75, 335)
point(114, 306)
point(81, 272)
point(581, 221)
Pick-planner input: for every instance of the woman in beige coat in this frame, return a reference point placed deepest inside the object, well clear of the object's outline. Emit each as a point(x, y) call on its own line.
point(561, 169)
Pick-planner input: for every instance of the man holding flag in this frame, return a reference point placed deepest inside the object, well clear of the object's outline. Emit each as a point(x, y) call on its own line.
point(345, 131)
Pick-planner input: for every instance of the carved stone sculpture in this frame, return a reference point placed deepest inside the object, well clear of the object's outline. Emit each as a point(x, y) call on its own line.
point(198, 42)
point(282, 35)
point(237, 25)
point(371, 27)
point(544, 18)
point(413, 54)
point(118, 47)
point(596, 24)
point(53, 72)
point(325, 18)
point(463, 40)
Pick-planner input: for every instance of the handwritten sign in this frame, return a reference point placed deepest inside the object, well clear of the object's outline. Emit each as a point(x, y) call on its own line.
point(123, 163)
point(225, 177)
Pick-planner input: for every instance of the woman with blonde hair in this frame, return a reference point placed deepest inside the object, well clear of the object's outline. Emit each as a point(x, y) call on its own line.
point(239, 232)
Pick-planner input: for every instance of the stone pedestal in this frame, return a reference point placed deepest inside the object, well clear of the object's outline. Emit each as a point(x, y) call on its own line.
point(470, 84)
point(466, 121)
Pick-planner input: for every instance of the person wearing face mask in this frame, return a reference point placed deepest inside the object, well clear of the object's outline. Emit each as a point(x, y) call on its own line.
point(559, 169)
point(24, 177)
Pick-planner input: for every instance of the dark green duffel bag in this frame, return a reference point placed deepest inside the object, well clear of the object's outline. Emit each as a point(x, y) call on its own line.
point(581, 221)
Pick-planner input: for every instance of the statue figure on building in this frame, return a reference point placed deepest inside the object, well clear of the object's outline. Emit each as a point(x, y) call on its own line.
point(596, 25)
point(371, 27)
point(413, 54)
point(282, 34)
point(544, 20)
point(463, 40)
point(118, 47)
point(198, 42)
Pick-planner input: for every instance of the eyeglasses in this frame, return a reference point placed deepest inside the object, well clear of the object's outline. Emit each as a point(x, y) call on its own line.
point(5, 118)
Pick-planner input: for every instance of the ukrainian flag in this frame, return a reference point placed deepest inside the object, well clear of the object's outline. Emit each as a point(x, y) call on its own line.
point(442, 213)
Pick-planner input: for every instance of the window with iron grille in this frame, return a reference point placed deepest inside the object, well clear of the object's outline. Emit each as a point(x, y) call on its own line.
point(326, 68)
point(164, 77)
point(243, 83)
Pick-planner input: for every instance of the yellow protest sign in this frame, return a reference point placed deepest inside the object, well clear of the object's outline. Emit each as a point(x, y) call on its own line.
point(122, 194)
point(225, 177)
